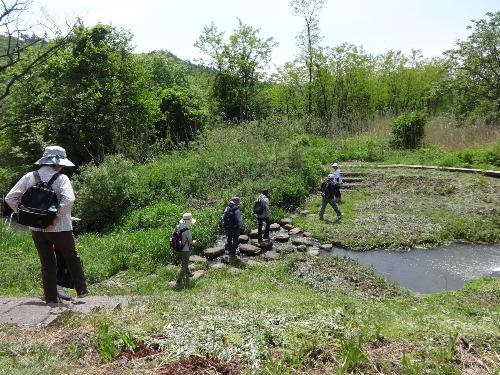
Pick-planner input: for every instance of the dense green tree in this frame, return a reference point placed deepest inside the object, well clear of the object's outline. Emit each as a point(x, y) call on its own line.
point(93, 98)
point(239, 63)
point(475, 65)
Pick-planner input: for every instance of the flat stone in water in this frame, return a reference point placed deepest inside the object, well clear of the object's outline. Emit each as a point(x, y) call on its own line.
point(298, 241)
point(243, 238)
point(274, 227)
point(282, 237)
point(327, 246)
point(213, 252)
point(248, 249)
point(295, 231)
point(288, 226)
point(307, 234)
point(254, 233)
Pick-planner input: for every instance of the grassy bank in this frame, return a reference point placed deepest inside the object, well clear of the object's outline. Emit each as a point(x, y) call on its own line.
point(293, 315)
point(346, 320)
point(401, 208)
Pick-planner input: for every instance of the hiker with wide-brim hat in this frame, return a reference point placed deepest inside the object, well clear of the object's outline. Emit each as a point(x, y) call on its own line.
point(184, 227)
point(59, 234)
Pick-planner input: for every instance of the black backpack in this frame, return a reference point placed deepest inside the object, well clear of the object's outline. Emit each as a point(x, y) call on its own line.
point(328, 188)
point(229, 218)
point(39, 204)
point(176, 239)
point(258, 207)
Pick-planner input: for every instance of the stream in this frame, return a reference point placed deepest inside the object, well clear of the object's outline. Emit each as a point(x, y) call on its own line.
point(431, 270)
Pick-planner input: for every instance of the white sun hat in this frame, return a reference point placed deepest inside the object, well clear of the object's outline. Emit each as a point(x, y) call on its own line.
point(187, 218)
point(54, 155)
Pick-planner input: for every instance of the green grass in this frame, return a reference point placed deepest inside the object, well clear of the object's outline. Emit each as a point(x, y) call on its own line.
point(400, 208)
point(294, 315)
point(255, 318)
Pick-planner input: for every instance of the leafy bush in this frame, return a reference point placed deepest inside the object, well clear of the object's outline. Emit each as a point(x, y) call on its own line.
point(408, 130)
point(101, 198)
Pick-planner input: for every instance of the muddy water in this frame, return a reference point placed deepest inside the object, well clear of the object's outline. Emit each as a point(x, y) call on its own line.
point(434, 270)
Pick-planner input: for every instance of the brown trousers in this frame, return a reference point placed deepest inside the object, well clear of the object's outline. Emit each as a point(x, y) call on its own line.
point(64, 242)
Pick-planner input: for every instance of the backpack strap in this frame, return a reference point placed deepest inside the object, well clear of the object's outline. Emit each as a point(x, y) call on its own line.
point(53, 178)
point(180, 234)
point(37, 177)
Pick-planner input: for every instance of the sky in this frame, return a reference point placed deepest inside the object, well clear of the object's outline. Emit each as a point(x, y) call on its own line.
point(432, 26)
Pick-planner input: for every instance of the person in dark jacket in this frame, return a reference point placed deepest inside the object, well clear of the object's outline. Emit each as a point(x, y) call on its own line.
point(328, 189)
point(232, 221)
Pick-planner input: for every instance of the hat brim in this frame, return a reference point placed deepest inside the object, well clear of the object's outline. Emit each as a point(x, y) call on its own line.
point(64, 162)
point(191, 221)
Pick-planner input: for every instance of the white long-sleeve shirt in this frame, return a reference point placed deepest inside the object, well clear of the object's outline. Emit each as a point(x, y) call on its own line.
point(336, 176)
point(63, 189)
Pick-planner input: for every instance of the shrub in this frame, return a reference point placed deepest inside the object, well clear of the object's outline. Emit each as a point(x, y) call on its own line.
point(101, 198)
point(408, 130)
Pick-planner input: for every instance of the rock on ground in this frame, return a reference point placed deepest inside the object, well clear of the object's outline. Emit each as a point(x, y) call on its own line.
point(274, 227)
point(213, 252)
point(33, 312)
point(243, 238)
point(249, 249)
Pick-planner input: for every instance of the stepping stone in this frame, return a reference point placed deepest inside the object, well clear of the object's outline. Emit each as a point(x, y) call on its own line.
point(243, 238)
point(298, 241)
point(255, 242)
point(307, 234)
point(327, 246)
point(305, 212)
point(285, 249)
point(197, 274)
point(282, 237)
point(271, 255)
point(197, 259)
point(308, 242)
point(295, 231)
point(248, 249)
point(288, 226)
point(274, 227)
point(313, 252)
point(285, 221)
point(254, 233)
point(214, 252)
